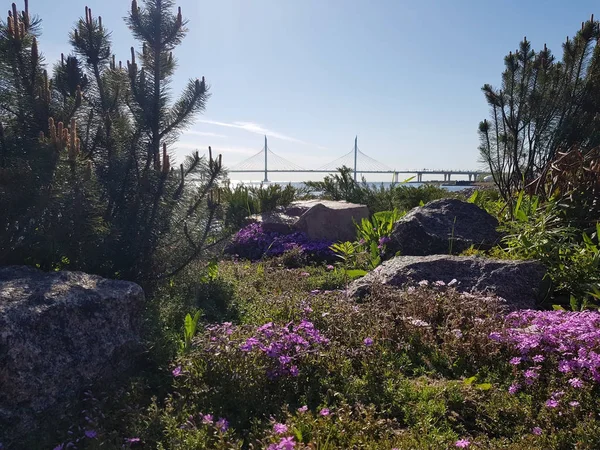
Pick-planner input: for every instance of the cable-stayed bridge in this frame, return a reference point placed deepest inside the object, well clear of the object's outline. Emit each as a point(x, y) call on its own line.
point(266, 161)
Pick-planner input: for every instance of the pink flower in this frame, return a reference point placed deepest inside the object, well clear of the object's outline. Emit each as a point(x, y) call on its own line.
point(324, 412)
point(305, 274)
point(513, 389)
point(574, 404)
point(176, 371)
point(536, 430)
point(551, 403)
point(515, 361)
point(280, 428)
point(462, 443)
point(538, 358)
point(303, 409)
point(132, 440)
point(576, 382)
point(329, 267)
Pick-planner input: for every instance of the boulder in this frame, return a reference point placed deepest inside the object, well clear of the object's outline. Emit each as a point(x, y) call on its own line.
point(517, 282)
point(60, 332)
point(429, 229)
point(277, 221)
point(320, 219)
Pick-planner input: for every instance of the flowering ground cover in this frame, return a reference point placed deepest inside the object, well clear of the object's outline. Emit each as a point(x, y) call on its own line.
point(253, 242)
point(305, 367)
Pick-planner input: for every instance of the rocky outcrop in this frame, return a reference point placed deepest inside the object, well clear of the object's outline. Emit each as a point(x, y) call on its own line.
point(59, 332)
point(319, 219)
point(441, 226)
point(517, 282)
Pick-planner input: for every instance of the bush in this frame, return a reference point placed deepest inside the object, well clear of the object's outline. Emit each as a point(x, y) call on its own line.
point(243, 201)
point(341, 186)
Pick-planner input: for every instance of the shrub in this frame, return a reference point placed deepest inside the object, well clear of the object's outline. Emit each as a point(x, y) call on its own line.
point(243, 201)
point(572, 180)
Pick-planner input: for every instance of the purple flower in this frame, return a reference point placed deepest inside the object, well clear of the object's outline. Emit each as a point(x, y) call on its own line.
point(280, 428)
point(551, 403)
point(384, 240)
point(536, 430)
point(303, 409)
point(250, 344)
point(462, 443)
point(287, 443)
point(516, 361)
point(222, 425)
point(574, 404)
point(176, 371)
point(207, 419)
point(329, 267)
point(538, 358)
point(368, 342)
point(91, 434)
point(457, 333)
point(513, 389)
point(324, 412)
point(495, 336)
point(564, 366)
point(530, 373)
point(576, 382)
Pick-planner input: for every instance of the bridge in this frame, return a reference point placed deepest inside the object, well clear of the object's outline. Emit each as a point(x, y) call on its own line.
point(266, 161)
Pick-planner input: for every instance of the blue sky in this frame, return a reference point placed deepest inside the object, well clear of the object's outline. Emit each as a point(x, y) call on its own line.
point(311, 74)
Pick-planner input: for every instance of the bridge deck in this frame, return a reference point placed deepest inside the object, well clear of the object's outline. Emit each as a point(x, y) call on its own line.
point(431, 171)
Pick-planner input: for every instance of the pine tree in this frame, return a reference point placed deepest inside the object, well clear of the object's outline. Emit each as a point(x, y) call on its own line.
point(543, 106)
point(104, 194)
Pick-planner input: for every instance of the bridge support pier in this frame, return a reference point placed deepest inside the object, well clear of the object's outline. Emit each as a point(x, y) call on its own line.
point(395, 177)
point(419, 177)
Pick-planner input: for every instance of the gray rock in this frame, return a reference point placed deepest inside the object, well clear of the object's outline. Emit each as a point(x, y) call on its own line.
point(319, 219)
point(517, 282)
point(60, 332)
point(331, 221)
point(429, 229)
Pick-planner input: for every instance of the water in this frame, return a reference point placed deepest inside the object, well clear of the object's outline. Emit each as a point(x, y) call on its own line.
point(386, 184)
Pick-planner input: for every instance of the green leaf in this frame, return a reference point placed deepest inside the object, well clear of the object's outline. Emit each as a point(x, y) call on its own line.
point(574, 303)
point(298, 434)
point(355, 273)
point(470, 380)
point(189, 325)
point(484, 386)
point(473, 198)
point(558, 308)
